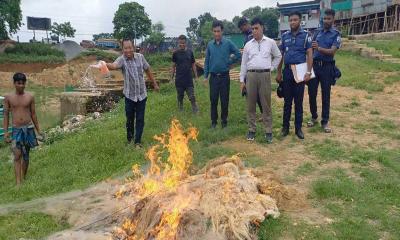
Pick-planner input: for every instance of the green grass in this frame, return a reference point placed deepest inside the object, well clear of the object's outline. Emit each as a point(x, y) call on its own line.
point(99, 150)
point(32, 53)
point(28, 225)
point(365, 208)
point(391, 47)
point(359, 72)
point(382, 127)
point(99, 54)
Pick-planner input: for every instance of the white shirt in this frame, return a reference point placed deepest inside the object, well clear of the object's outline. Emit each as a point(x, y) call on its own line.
point(259, 55)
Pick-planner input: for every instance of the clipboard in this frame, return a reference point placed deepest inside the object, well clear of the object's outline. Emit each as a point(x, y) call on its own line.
point(299, 70)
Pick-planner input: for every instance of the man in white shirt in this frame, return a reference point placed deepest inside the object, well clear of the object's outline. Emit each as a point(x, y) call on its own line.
point(260, 56)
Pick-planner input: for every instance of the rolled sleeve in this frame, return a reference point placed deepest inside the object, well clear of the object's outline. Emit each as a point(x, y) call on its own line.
point(119, 62)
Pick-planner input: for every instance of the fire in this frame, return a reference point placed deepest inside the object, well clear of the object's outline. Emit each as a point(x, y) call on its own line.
point(166, 176)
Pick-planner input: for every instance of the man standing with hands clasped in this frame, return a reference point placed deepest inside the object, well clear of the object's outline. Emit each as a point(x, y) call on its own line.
point(217, 65)
point(296, 49)
point(325, 43)
point(260, 56)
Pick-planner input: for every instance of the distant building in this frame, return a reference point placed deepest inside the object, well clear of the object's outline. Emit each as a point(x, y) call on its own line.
point(107, 43)
point(310, 11)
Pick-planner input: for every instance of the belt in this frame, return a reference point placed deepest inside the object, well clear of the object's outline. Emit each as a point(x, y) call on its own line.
point(259, 70)
point(220, 74)
point(322, 63)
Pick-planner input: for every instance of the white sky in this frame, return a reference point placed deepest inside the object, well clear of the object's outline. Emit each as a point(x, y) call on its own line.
point(89, 17)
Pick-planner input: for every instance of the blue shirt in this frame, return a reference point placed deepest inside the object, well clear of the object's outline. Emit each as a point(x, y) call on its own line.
point(247, 37)
point(294, 47)
point(218, 56)
point(326, 39)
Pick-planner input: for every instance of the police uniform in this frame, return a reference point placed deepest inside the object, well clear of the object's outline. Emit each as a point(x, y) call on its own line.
point(294, 48)
point(323, 66)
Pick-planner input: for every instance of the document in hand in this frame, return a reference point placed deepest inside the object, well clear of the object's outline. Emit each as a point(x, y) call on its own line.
point(299, 70)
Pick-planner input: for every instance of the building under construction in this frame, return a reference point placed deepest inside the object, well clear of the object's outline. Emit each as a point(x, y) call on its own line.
point(365, 16)
point(353, 17)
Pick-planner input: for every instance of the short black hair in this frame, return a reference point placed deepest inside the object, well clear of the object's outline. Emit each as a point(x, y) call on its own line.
point(182, 37)
point(295, 13)
point(126, 40)
point(218, 23)
point(19, 77)
point(330, 12)
point(257, 20)
point(243, 21)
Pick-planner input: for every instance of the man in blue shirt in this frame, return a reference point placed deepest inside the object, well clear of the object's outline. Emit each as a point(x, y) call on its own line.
point(326, 42)
point(296, 49)
point(216, 66)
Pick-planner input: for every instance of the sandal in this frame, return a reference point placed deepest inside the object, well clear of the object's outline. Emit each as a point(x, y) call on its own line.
point(326, 128)
point(312, 122)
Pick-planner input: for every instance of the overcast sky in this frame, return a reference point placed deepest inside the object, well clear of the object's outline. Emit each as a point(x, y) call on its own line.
point(89, 17)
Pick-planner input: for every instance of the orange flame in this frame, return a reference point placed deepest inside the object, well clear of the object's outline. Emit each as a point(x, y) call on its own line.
point(166, 176)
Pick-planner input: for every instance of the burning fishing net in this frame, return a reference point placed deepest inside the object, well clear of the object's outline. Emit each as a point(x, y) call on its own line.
point(222, 201)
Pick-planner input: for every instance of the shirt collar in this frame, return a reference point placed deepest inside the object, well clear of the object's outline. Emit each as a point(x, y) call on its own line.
point(263, 38)
point(301, 30)
point(221, 42)
point(134, 56)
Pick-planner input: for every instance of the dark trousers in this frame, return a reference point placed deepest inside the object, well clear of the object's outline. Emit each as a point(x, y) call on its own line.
point(323, 76)
point(219, 89)
point(258, 99)
point(135, 110)
point(292, 92)
point(181, 94)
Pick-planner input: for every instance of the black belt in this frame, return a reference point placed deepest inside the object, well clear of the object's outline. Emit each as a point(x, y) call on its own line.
point(322, 63)
point(220, 74)
point(259, 70)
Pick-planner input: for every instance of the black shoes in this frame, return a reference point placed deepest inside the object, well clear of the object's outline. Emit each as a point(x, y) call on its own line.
point(300, 134)
point(268, 138)
point(213, 125)
point(284, 132)
point(224, 125)
point(251, 136)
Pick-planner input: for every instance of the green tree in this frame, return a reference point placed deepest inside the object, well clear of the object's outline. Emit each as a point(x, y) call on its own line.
point(131, 21)
point(269, 16)
point(230, 27)
point(206, 32)
point(103, 36)
point(157, 35)
point(193, 29)
point(63, 29)
point(10, 17)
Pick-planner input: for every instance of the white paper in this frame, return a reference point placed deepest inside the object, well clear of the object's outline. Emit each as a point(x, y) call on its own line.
point(299, 70)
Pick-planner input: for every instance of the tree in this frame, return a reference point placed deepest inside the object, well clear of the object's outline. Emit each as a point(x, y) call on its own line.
point(206, 33)
point(230, 27)
point(103, 36)
point(269, 16)
point(10, 17)
point(131, 21)
point(193, 29)
point(63, 29)
point(156, 36)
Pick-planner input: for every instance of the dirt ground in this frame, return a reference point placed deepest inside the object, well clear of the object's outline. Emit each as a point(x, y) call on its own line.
point(52, 75)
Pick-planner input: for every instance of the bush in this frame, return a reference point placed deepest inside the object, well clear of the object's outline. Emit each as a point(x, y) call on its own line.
point(32, 53)
point(99, 54)
point(38, 49)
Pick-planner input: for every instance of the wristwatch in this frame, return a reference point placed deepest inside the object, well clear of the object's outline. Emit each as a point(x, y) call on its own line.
point(309, 73)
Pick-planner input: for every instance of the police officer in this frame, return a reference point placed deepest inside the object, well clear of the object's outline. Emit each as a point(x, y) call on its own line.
point(326, 42)
point(296, 49)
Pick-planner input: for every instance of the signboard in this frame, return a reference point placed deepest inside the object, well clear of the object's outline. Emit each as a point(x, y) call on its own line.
point(35, 23)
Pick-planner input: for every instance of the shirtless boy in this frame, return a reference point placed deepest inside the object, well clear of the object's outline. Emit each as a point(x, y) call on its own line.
point(21, 105)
